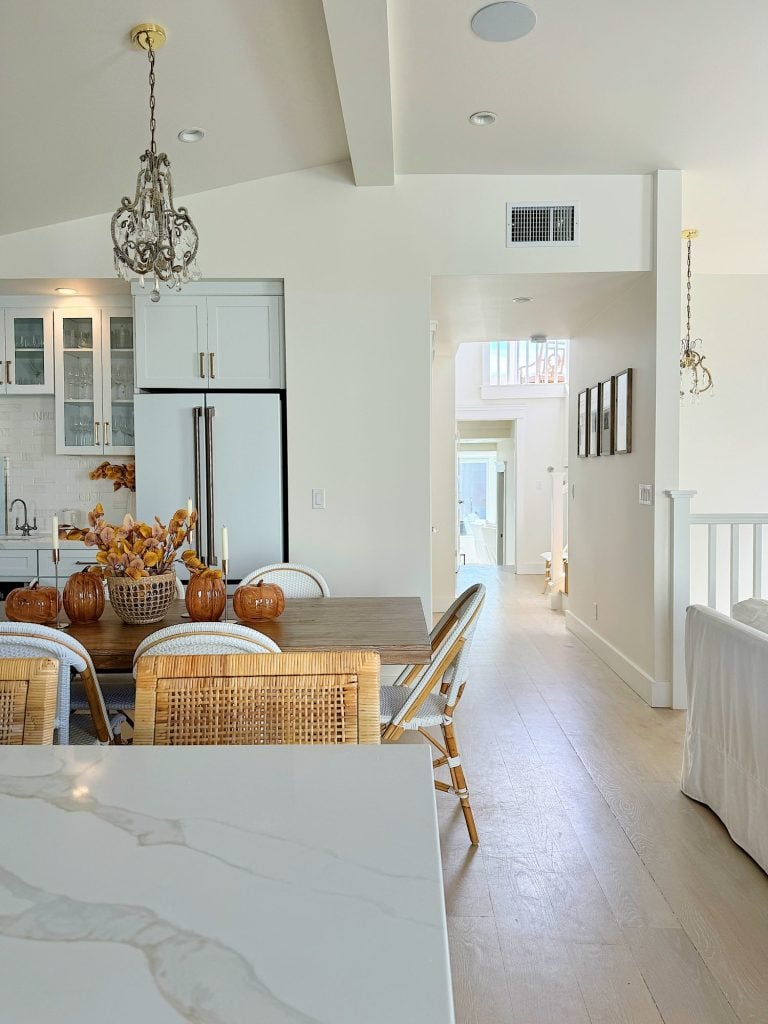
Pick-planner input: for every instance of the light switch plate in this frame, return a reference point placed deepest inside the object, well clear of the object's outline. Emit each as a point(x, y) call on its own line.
point(645, 496)
point(318, 497)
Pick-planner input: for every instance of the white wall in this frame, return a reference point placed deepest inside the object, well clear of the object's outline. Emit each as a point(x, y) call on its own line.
point(357, 265)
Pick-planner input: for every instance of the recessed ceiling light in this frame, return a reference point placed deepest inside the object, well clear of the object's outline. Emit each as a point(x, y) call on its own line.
point(503, 22)
point(482, 117)
point(522, 298)
point(191, 135)
point(66, 291)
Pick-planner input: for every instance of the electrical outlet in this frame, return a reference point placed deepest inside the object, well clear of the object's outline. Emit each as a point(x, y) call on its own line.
point(318, 497)
point(594, 606)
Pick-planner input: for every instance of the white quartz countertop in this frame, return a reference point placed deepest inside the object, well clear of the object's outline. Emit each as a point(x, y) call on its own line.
point(221, 885)
point(41, 542)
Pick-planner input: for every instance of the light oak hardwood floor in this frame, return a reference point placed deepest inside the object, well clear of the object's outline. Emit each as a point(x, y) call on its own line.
point(599, 892)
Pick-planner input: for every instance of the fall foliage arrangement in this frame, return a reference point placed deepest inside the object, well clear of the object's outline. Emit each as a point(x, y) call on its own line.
point(121, 474)
point(135, 550)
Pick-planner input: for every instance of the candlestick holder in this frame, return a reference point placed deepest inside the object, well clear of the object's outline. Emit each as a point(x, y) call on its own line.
point(58, 624)
point(225, 570)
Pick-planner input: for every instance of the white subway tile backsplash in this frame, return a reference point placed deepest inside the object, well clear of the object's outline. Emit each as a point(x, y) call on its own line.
point(48, 482)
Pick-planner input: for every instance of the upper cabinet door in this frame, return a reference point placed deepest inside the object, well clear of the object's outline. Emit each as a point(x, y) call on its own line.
point(79, 406)
point(171, 342)
point(27, 368)
point(118, 374)
point(244, 349)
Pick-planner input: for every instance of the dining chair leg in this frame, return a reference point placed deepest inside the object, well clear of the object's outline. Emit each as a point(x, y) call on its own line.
point(459, 779)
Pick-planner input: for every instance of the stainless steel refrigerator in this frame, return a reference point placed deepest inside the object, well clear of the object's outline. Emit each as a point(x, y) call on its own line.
point(225, 451)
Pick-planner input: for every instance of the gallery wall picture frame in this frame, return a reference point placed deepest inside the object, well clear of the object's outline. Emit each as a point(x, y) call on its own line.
point(581, 424)
point(593, 442)
point(623, 413)
point(607, 417)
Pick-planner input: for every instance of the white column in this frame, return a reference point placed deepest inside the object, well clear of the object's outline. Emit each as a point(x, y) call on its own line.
point(680, 530)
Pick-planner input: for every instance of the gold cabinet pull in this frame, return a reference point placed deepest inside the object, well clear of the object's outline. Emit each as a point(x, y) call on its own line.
point(106, 432)
point(211, 358)
point(96, 425)
point(202, 365)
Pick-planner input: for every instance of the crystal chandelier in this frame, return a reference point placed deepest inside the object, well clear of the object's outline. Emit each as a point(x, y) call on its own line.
point(149, 235)
point(695, 378)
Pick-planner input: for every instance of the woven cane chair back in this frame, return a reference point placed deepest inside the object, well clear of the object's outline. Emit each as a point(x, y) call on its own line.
point(307, 698)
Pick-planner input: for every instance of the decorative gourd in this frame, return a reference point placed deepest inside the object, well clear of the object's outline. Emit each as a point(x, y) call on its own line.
point(84, 597)
point(206, 597)
point(255, 602)
point(33, 604)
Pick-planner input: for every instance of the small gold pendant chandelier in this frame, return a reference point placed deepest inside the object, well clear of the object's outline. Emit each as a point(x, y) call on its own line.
point(695, 377)
point(150, 236)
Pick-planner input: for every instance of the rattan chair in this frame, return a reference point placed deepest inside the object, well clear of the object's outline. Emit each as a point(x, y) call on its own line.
point(205, 638)
point(28, 690)
point(295, 580)
point(24, 640)
point(306, 698)
point(425, 696)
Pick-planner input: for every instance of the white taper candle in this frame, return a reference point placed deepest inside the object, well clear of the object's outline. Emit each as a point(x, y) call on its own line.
point(224, 544)
point(189, 508)
point(55, 533)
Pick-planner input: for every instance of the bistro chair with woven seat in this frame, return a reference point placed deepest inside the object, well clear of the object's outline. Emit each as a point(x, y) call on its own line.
point(425, 696)
point(305, 698)
point(295, 580)
point(205, 638)
point(28, 691)
point(24, 640)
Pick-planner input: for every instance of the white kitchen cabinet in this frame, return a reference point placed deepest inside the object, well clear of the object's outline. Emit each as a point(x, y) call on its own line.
point(221, 341)
point(18, 565)
point(71, 560)
point(27, 352)
point(93, 350)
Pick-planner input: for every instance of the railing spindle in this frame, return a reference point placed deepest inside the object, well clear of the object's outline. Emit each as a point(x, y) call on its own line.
point(712, 565)
point(757, 560)
point(734, 564)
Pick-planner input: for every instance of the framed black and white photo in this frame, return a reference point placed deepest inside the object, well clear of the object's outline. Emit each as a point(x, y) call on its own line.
point(607, 421)
point(623, 428)
point(593, 442)
point(581, 426)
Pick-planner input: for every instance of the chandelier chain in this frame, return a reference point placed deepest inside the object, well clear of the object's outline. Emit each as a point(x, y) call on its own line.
point(688, 302)
point(152, 121)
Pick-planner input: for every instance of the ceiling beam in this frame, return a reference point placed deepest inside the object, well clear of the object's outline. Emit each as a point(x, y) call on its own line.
point(359, 35)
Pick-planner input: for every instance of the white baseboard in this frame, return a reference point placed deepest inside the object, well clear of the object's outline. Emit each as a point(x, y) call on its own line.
point(654, 692)
point(530, 568)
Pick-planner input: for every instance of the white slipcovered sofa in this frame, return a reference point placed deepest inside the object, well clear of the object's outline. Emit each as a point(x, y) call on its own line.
point(725, 757)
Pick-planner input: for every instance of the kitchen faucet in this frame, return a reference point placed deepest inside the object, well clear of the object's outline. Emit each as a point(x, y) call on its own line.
point(25, 528)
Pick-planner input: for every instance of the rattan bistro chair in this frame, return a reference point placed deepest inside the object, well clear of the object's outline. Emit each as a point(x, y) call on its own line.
point(24, 640)
point(295, 580)
point(28, 690)
point(311, 697)
point(205, 638)
point(425, 696)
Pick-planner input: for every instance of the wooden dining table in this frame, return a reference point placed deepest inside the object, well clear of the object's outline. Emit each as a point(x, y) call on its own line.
point(395, 627)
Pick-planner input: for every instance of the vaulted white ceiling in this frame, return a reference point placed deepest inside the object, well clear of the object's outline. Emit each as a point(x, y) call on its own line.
point(282, 85)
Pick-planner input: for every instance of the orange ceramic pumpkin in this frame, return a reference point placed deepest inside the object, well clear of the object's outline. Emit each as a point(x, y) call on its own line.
point(258, 601)
point(33, 604)
point(206, 598)
point(84, 597)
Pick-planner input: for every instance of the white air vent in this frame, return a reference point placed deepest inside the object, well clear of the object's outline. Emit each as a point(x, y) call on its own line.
point(542, 225)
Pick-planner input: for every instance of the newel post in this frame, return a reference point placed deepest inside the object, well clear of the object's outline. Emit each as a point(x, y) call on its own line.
point(680, 533)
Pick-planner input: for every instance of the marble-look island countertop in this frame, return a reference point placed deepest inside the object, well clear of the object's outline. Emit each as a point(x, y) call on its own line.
point(221, 885)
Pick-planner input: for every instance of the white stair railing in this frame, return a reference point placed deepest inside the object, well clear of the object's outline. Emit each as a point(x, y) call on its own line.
point(741, 577)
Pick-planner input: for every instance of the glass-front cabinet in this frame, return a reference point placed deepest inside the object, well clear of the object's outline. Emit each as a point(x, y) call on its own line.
point(94, 381)
point(27, 355)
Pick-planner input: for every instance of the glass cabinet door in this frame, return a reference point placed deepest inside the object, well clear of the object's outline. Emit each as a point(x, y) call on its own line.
point(79, 421)
point(118, 354)
point(28, 365)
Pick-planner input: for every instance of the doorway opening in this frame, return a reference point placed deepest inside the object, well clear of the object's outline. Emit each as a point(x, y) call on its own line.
point(485, 462)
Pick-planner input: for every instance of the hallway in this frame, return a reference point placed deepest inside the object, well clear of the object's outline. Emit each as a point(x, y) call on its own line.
point(599, 893)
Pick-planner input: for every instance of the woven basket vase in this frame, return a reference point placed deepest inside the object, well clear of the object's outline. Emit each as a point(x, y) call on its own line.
point(142, 601)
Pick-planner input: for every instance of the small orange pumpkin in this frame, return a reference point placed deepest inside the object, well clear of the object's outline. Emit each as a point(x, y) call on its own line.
point(255, 602)
point(33, 604)
point(206, 598)
point(84, 597)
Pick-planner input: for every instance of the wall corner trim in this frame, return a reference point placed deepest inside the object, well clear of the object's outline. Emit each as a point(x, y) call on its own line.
point(656, 693)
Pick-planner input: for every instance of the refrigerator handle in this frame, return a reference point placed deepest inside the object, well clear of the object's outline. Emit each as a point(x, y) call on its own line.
point(210, 412)
point(197, 414)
